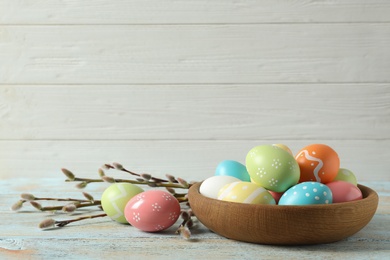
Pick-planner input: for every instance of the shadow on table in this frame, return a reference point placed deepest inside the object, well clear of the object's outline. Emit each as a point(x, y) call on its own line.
point(373, 237)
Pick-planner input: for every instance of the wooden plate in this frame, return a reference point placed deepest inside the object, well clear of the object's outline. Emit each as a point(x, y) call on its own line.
point(284, 225)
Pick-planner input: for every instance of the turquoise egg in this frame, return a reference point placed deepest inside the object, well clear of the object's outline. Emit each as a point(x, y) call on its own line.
point(233, 169)
point(307, 193)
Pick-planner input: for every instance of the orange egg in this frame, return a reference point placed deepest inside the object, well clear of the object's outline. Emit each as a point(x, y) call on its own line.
point(318, 162)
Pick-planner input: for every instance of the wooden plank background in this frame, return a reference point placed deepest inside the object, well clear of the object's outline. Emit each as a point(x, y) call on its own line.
point(192, 11)
point(177, 86)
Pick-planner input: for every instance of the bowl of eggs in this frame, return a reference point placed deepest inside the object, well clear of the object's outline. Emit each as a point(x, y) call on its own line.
point(281, 199)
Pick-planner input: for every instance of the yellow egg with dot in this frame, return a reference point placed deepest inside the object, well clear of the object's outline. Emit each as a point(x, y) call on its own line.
point(245, 192)
point(284, 147)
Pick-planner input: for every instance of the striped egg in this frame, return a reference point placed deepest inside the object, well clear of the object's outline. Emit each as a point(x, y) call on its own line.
point(245, 192)
point(115, 198)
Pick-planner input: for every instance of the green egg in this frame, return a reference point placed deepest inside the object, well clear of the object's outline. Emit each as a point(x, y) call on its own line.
point(272, 168)
point(346, 175)
point(115, 198)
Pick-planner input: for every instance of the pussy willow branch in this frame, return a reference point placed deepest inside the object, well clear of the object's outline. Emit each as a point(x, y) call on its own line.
point(64, 199)
point(154, 184)
point(50, 223)
point(143, 179)
point(120, 167)
point(77, 206)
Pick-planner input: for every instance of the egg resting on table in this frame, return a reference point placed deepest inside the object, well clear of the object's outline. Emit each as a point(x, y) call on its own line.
point(115, 198)
point(152, 210)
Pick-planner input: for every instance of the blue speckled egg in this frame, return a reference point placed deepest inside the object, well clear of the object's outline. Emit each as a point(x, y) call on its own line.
point(233, 169)
point(307, 193)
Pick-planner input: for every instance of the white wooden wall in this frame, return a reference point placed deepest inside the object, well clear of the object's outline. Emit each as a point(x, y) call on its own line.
point(166, 86)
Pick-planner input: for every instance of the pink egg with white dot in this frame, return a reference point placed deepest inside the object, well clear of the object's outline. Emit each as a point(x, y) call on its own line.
point(152, 211)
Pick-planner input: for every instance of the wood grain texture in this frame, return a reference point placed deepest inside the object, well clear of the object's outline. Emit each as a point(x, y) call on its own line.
point(272, 224)
point(158, 54)
point(194, 160)
point(103, 238)
point(166, 86)
point(191, 112)
point(191, 11)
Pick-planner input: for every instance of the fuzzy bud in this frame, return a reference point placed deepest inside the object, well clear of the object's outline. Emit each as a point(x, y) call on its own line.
point(88, 196)
point(183, 182)
point(108, 179)
point(81, 185)
point(47, 223)
point(101, 172)
point(69, 208)
point(170, 178)
point(184, 232)
point(171, 190)
point(185, 215)
point(152, 184)
point(18, 205)
point(117, 166)
point(106, 167)
point(27, 196)
point(146, 176)
point(36, 205)
point(189, 223)
point(68, 174)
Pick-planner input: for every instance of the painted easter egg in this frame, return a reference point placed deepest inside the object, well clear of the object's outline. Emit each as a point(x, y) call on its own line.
point(284, 147)
point(232, 168)
point(211, 186)
point(276, 195)
point(318, 162)
point(344, 191)
point(152, 210)
point(245, 192)
point(346, 175)
point(272, 168)
point(307, 193)
point(115, 198)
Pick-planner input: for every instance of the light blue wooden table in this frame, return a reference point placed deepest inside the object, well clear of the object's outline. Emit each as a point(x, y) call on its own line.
point(101, 238)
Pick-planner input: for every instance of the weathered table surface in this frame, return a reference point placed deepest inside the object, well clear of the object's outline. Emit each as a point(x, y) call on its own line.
point(101, 238)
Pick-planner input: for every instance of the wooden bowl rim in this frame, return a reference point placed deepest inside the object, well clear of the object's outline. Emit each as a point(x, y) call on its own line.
point(369, 195)
point(271, 217)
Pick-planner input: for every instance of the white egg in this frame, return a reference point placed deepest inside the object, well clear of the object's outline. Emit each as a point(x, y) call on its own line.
point(211, 186)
